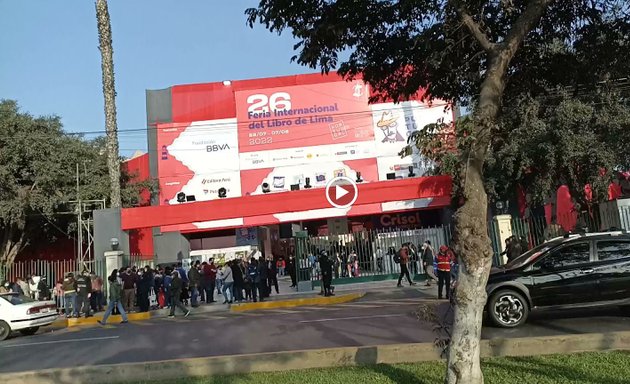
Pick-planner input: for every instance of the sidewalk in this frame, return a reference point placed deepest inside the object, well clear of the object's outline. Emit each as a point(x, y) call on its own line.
point(288, 297)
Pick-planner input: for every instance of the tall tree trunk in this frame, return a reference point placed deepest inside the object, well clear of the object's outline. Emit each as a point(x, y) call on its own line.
point(109, 95)
point(472, 243)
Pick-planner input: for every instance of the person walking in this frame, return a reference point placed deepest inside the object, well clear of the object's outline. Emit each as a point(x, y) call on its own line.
point(84, 291)
point(96, 300)
point(44, 291)
point(326, 266)
point(272, 277)
point(129, 281)
point(166, 283)
point(237, 274)
point(292, 270)
point(210, 272)
point(219, 279)
point(280, 266)
point(428, 257)
point(263, 289)
point(228, 283)
point(205, 282)
point(254, 278)
point(194, 280)
point(59, 296)
point(404, 262)
point(114, 298)
point(69, 288)
point(144, 287)
point(176, 295)
point(444, 260)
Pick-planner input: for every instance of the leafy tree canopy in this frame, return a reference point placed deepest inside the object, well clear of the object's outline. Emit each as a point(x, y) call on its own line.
point(402, 46)
point(545, 143)
point(38, 163)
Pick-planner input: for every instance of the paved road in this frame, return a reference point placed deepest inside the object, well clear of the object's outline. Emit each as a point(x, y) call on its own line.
point(383, 318)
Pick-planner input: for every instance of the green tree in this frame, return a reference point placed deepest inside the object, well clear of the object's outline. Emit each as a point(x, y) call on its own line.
point(544, 143)
point(467, 51)
point(38, 172)
point(568, 140)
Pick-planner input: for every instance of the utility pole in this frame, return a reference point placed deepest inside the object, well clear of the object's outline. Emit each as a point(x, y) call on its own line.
point(79, 222)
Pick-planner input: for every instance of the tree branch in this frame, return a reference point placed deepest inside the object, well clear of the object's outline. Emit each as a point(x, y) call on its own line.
point(474, 28)
point(524, 24)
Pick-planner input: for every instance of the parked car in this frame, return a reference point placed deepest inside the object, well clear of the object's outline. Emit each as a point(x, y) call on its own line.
point(23, 314)
point(574, 271)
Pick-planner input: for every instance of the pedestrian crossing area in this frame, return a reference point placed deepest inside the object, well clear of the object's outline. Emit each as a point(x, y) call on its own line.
point(276, 312)
point(368, 304)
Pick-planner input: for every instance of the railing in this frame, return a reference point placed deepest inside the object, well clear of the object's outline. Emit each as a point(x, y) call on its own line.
point(368, 253)
point(53, 270)
point(536, 230)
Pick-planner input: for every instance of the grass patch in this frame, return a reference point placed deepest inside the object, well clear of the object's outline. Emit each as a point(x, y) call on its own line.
point(583, 368)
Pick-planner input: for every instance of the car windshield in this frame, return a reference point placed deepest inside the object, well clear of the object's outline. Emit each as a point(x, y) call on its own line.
point(15, 298)
point(531, 254)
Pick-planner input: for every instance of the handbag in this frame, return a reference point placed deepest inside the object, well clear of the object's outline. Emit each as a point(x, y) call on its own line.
point(153, 302)
point(161, 299)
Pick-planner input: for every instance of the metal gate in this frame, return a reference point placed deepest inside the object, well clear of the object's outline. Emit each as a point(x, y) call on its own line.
point(365, 255)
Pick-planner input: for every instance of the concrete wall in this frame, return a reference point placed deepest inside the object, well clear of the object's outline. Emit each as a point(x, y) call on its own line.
point(170, 247)
point(106, 227)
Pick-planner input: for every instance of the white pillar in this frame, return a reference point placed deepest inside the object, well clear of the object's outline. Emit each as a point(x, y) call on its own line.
point(113, 260)
point(503, 225)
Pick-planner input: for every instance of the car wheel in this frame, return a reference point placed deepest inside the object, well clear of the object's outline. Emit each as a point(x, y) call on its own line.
point(508, 309)
point(29, 331)
point(5, 330)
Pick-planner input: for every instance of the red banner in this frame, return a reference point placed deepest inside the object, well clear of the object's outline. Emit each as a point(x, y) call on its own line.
point(302, 116)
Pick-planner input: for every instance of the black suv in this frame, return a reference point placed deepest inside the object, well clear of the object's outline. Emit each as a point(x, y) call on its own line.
point(577, 270)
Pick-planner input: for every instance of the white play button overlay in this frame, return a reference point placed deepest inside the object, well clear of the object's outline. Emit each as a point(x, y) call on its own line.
point(341, 192)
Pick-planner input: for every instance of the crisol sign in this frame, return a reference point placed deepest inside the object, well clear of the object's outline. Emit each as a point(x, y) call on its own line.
point(400, 220)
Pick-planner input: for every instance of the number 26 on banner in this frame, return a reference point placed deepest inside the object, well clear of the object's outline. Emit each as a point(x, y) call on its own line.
point(261, 104)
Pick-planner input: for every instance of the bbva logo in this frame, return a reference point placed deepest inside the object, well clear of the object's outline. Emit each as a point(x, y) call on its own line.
point(217, 147)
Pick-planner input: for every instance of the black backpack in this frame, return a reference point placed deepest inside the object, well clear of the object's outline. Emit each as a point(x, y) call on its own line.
point(397, 257)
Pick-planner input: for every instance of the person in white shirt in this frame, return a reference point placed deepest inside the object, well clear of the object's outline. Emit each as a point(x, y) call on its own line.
point(228, 283)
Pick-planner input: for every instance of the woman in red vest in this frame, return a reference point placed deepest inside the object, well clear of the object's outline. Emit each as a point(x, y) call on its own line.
point(444, 260)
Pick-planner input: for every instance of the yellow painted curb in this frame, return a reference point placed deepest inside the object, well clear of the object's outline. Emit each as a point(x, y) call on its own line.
point(297, 302)
point(73, 322)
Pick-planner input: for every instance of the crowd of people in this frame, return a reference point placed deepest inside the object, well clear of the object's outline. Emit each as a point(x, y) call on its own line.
point(173, 287)
point(134, 289)
point(440, 267)
point(35, 287)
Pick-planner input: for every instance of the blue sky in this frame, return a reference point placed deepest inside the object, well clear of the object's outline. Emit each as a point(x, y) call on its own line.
point(50, 62)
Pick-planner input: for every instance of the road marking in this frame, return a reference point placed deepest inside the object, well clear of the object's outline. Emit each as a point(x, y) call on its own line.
point(60, 341)
point(392, 302)
point(353, 318)
point(322, 308)
point(358, 305)
point(283, 311)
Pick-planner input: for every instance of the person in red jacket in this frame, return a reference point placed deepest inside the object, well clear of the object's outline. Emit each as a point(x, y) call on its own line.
point(444, 260)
